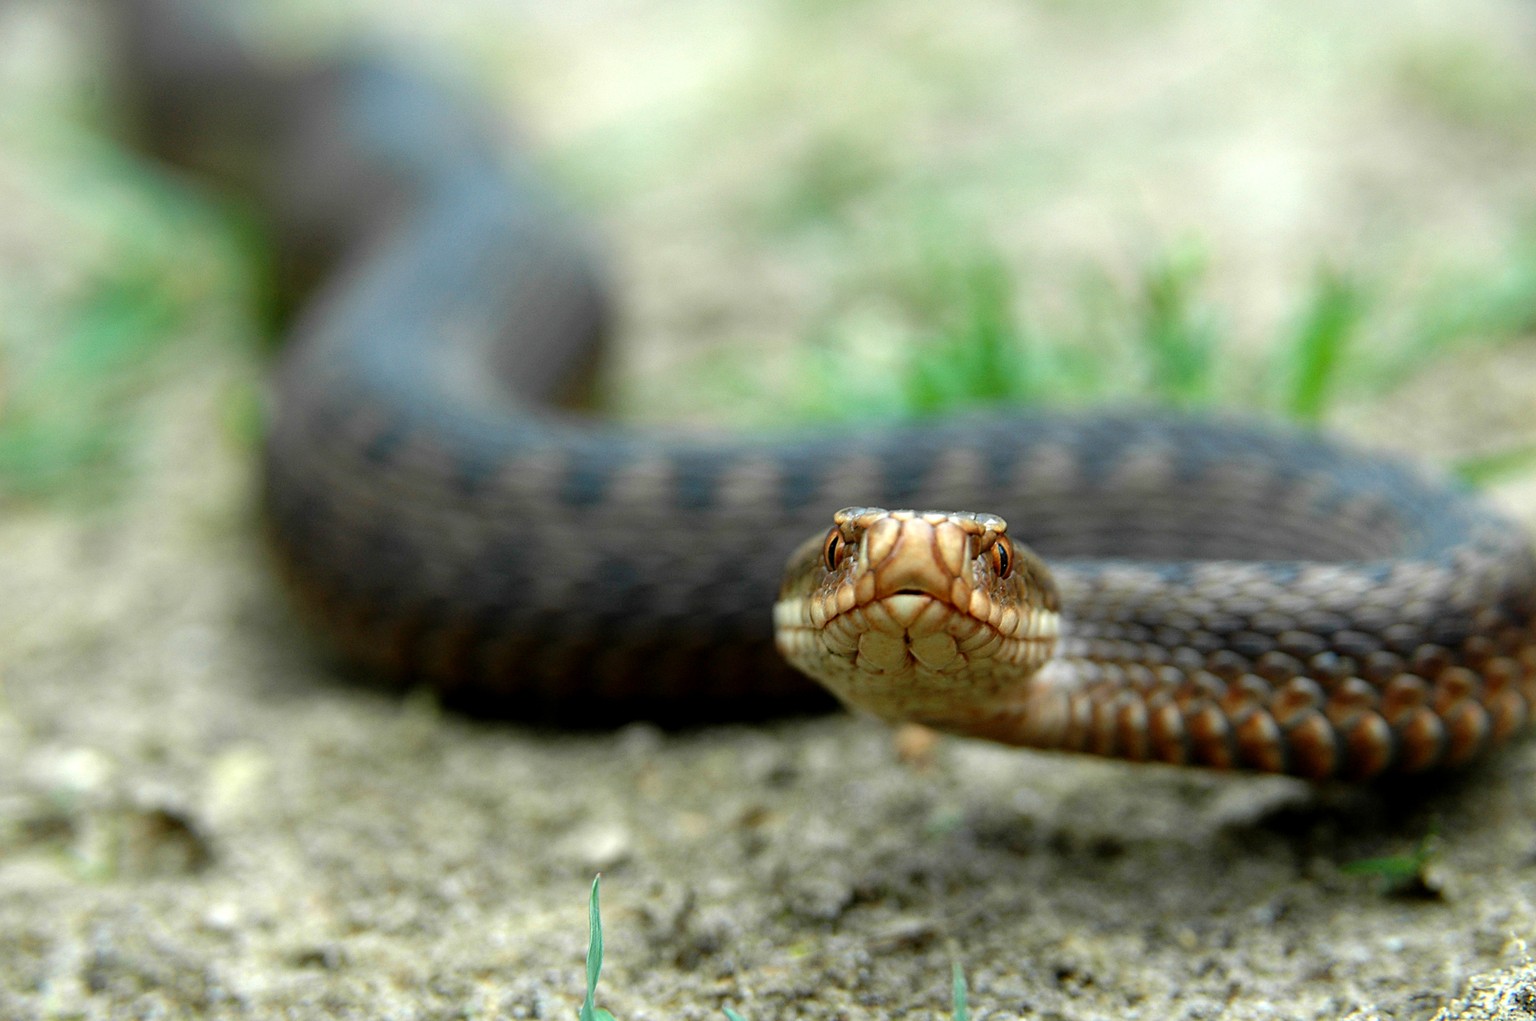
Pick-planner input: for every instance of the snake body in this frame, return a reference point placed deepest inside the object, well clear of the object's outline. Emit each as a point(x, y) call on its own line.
point(442, 517)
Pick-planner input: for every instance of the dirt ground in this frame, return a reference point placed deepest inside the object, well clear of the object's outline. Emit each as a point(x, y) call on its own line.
point(199, 819)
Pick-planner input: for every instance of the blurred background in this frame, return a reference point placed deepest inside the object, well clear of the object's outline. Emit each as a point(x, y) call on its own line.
point(822, 210)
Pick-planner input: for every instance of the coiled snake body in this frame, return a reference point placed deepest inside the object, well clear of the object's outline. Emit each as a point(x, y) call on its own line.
point(1228, 595)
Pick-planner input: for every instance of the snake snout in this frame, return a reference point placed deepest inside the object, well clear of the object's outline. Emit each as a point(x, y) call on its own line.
point(908, 559)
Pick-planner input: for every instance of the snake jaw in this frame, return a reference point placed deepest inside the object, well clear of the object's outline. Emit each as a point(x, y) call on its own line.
point(902, 611)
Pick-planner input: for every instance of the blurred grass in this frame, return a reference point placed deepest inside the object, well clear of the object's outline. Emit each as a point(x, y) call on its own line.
point(930, 308)
point(61, 416)
point(1311, 361)
point(1179, 336)
point(81, 349)
point(969, 338)
point(957, 333)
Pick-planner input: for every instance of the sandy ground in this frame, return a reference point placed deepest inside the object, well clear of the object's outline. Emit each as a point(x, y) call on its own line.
point(199, 819)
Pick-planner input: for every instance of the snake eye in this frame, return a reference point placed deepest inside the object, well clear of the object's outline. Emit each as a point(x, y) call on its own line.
point(832, 550)
point(1002, 556)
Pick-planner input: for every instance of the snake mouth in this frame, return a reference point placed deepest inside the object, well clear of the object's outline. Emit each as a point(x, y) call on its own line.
point(942, 601)
point(910, 631)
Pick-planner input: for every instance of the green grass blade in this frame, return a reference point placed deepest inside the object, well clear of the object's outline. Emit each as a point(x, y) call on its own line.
point(1176, 335)
point(1403, 874)
point(589, 1010)
point(1493, 304)
point(957, 993)
point(1332, 317)
point(977, 352)
point(1487, 469)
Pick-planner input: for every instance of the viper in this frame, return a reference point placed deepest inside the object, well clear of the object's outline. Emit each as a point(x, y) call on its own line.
point(1144, 585)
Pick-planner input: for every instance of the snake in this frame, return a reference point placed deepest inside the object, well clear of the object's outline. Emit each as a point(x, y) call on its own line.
point(446, 510)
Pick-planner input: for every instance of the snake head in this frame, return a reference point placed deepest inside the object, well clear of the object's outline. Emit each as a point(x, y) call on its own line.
point(928, 616)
